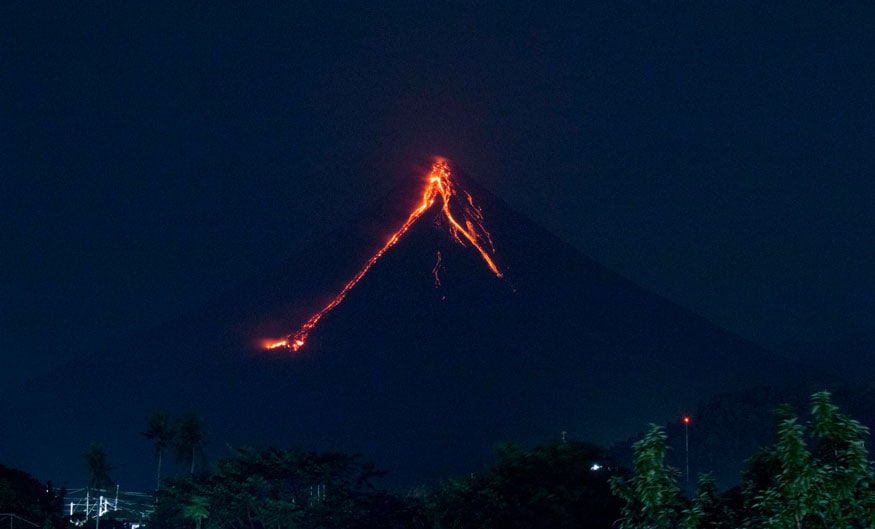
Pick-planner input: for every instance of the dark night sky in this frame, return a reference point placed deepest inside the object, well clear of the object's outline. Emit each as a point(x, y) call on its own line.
point(152, 154)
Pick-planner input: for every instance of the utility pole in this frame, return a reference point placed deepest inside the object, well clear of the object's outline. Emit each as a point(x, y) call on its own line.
point(687, 447)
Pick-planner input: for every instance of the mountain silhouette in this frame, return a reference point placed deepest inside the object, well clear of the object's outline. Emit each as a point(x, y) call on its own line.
point(422, 374)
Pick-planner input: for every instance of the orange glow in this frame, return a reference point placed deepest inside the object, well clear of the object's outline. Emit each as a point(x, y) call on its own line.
point(438, 268)
point(686, 420)
point(473, 231)
point(274, 344)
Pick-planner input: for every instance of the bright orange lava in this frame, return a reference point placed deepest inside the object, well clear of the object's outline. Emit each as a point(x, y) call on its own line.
point(473, 231)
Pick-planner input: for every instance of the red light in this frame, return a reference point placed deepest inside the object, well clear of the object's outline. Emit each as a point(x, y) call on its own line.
point(686, 420)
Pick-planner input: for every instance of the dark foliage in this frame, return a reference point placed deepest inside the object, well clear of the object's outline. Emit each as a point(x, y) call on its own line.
point(98, 467)
point(281, 488)
point(24, 496)
point(549, 486)
point(190, 438)
point(162, 434)
point(816, 475)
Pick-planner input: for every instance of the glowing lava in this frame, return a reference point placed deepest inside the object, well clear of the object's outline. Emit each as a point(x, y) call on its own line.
point(470, 229)
point(438, 268)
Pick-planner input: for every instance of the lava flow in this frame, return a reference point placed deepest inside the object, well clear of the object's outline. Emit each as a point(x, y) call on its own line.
point(471, 229)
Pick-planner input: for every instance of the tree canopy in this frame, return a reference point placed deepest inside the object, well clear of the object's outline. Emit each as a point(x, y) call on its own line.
point(98, 467)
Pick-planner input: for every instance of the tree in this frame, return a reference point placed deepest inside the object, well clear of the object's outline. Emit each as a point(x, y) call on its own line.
point(22, 495)
point(197, 509)
point(190, 440)
point(841, 453)
point(98, 467)
point(556, 485)
point(794, 498)
point(708, 510)
point(651, 496)
point(159, 430)
point(829, 485)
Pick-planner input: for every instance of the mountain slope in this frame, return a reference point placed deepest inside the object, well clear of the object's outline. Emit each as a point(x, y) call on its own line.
point(423, 378)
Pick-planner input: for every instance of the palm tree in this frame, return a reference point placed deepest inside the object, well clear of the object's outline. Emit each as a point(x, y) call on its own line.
point(98, 467)
point(190, 439)
point(197, 509)
point(158, 429)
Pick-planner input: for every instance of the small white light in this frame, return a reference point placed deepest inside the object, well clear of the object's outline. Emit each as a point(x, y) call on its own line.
point(595, 466)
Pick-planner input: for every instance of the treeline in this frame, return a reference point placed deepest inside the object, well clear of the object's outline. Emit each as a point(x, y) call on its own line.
point(551, 486)
point(816, 474)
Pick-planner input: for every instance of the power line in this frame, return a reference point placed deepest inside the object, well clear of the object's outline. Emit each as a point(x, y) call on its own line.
point(13, 517)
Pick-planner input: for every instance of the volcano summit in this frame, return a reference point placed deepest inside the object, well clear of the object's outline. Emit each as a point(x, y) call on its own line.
point(438, 184)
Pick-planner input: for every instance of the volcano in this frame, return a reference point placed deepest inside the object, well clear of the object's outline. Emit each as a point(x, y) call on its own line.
point(433, 356)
